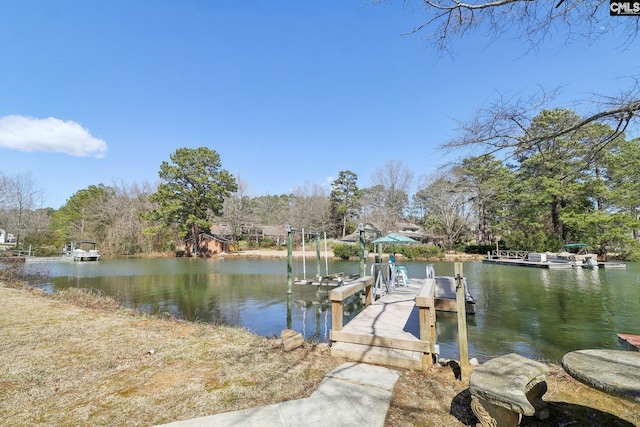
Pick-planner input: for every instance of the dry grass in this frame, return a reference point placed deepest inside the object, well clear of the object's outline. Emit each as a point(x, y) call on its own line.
point(69, 365)
point(79, 359)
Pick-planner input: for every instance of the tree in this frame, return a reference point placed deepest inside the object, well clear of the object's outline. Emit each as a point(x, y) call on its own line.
point(499, 126)
point(271, 210)
point(486, 179)
point(83, 216)
point(552, 169)
point(623, 177)
point(388, 197)
point(22, 196)
point(193, 188)
point(344, 199)
point(448, 208)
point(237, 209)
point(310, 208)
point(125, 233)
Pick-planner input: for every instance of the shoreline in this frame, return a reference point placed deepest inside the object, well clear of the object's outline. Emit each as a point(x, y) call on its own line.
point(298, 254)
point(104, 365)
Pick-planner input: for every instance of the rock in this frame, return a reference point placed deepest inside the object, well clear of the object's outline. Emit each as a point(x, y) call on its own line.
point(291, 339)
point(322, 347)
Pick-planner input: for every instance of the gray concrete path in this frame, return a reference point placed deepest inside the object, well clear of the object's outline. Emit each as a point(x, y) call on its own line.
point(353, 394)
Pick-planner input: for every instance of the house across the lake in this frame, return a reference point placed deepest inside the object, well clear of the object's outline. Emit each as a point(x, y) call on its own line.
point(208, 245)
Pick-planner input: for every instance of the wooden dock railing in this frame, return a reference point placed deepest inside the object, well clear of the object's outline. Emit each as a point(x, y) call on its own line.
point(509, 254)
point(425, 301)
point(340, 294)
point(381, 326)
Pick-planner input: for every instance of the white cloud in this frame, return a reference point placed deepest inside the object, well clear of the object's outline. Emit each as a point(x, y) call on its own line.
point(49, 135)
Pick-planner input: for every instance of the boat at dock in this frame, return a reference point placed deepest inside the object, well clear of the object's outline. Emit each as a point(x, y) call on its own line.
point(81, 251)
point(551, 260)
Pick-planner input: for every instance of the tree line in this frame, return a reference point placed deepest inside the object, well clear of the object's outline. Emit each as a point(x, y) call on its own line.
point(579, 187)
point(545, 176)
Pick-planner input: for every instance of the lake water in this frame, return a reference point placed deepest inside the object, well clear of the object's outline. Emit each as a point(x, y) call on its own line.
point(537, 313)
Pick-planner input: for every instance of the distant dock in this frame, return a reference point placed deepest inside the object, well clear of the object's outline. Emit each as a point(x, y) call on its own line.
point(45, 259)
point(525, 263)
point(550, 261)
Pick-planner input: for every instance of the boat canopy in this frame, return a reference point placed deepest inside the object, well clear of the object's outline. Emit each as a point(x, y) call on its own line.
point(394, 239)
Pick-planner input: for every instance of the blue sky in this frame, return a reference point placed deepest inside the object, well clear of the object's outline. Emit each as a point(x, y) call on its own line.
point(289, 92)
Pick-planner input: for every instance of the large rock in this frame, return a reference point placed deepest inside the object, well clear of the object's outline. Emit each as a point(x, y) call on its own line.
point(291, 339)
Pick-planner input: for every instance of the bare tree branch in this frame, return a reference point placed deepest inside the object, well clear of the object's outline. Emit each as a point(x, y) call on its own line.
point(532, 20)
point(503, 125)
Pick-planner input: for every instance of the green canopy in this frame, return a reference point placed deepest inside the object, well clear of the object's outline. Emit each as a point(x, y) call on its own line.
point(394, 239)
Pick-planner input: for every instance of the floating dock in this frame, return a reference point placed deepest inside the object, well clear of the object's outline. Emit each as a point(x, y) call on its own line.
point(333, 280)
point(611, 264)
point(525, 263)
point(550, 265)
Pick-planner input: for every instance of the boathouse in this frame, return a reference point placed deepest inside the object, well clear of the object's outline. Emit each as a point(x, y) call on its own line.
point(208, 245)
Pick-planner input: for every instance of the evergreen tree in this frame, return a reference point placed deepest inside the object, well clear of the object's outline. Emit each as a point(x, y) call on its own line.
point(345, 201)
point(193, 188)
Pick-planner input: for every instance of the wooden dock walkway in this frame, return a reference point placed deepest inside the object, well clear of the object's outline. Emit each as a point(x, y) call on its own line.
point(379, 335)
point(525, 263)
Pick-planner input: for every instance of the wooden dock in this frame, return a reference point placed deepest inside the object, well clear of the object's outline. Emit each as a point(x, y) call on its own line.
point(548, 264)
point(378, 334)
point(525, 263)
point(631, 342)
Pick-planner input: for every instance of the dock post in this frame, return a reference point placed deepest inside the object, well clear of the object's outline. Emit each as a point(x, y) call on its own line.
point(462, 320)
point(289, 316)
point(318, 255)
point(289, 259)
point(361, 248)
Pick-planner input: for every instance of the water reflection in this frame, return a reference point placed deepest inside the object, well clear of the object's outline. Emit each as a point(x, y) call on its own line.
point(535, 312)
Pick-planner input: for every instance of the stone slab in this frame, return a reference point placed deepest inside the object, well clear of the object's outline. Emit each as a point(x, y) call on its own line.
point(615, 372)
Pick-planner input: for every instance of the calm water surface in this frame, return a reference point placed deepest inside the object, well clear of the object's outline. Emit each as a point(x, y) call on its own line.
point(537, 313)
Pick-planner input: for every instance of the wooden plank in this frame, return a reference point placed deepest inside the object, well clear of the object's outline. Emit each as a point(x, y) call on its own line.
point(425, 297)
point(462, 321)
point(381, 341)
point(443, 304)
point(345, 291)
point(336, 315)
point(631, 342)
point(378, 355)
point(376, 335)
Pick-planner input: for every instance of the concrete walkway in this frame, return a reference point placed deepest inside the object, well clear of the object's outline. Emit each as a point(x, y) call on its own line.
point(353, 394)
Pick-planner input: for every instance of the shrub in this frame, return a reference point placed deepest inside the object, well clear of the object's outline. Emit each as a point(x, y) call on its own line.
point(480, 249)
point(631, 253)
point(345, 250)
point(419, 251)
point(267, 243)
